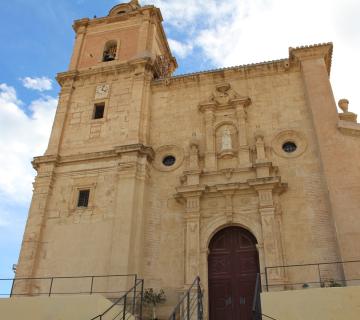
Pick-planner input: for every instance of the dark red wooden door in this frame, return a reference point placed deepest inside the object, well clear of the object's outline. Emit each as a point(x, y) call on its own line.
point(233, 265)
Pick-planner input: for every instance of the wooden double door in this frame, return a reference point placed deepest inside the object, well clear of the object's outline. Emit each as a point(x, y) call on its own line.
point(233, 266)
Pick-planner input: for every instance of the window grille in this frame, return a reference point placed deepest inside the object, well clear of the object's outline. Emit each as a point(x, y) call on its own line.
point(83, 200)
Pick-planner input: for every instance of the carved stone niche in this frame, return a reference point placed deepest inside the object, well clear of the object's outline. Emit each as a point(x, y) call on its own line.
point(226, 140)
point(225, 129)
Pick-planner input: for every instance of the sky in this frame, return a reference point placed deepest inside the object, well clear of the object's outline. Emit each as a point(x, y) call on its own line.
point(37, 39)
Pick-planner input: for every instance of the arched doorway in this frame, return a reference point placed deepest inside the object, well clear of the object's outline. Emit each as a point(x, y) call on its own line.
point(233, 264)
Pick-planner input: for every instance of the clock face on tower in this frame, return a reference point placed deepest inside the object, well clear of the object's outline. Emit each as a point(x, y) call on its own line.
point(102, 91)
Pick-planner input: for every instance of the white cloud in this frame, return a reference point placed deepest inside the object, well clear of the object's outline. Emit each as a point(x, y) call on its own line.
point(3, 221)
point(180, 13)
point(180, 49)
point(21, 138)
point(236, 32)
point(39, 84)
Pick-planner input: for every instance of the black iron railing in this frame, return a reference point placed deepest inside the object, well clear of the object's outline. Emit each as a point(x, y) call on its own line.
point(190, 306)
point(312, 275)
point(111, 286)
point(128, 306)
point(256, 308)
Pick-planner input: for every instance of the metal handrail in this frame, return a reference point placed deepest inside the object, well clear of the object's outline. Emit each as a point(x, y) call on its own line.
point(51, 280)
point(313, 264)
point(344, 279)
point(71, 277)
point(124, 298)
point(188, 303)
point(256, 308)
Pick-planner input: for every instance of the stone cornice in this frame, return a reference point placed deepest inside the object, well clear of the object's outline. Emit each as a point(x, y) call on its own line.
point(349, 128)
point(86, 22)
point(129, 66)
point(312, 52)
point(94, 156)
point(189, 191)
point(269, 183)
point(273, 183)
point(138, 148)
point(244, 71)
point(48, 159)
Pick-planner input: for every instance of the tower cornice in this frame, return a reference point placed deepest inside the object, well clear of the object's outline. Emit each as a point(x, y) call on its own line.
point(324, 51)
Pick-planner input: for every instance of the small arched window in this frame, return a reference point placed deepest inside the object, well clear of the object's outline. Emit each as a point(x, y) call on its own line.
point(110, 51)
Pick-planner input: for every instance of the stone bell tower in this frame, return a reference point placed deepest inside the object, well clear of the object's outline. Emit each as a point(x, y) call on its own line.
point(86, 215)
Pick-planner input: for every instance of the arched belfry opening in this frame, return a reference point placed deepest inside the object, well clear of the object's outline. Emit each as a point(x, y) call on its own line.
point(110, 51)
point(233, 264)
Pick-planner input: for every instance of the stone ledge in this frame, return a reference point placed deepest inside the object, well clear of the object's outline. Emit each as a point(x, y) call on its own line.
point(349, 128)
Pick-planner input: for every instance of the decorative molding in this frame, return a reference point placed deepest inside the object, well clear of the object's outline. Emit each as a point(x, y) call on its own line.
point(224, 97)
point(94, 156)
point(348, 116)
point(243, 71)
point(49, 159)
point(168, 150)
point(349, 128)
point(289, 136)
point(137, 148)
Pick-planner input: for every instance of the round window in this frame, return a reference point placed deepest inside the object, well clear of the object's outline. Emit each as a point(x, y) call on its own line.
point(169, 161)
point(289, 147)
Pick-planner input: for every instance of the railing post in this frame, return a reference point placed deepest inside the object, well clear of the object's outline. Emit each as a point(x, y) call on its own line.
point(188, 305)
point(319, 273)
point(12, 287)
point(51, 284)
point(199, 300)
point(134, 297)
point(141, 298)
point(266, 279)
point(92, 284)
point(124, 310)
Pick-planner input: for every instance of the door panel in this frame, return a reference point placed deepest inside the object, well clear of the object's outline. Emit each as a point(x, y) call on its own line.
point(221, 297)
point(233, 265)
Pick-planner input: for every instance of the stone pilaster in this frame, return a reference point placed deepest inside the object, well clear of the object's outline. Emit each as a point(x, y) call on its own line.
point(244, 150)
point(210, 152)
point(315, 68)
point(192, 244)
point(140, 108)
point(58, 128)
point(273, 251)
point(191, 195)
point(128, 227)
point(81, 30)
point(32, 241)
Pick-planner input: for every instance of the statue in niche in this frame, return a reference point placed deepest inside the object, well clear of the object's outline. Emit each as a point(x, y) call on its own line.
point(226, 143)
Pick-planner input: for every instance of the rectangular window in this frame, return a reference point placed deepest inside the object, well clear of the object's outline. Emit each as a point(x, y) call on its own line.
point(99, 110)
point(83, 200)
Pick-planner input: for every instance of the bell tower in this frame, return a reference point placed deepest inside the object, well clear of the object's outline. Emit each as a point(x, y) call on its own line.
point(87, 211)
point(116, 57)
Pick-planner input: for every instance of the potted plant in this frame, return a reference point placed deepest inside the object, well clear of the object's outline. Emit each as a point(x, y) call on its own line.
point(153, 298)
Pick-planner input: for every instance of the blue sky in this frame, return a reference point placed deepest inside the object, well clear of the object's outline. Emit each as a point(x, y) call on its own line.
point(37, 41)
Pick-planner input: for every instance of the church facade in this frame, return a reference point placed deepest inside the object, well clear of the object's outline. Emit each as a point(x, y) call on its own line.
point(218, 173)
